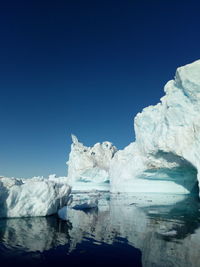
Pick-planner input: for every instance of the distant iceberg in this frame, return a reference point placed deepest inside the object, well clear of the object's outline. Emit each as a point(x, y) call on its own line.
point(164, 158)
point(88, 167)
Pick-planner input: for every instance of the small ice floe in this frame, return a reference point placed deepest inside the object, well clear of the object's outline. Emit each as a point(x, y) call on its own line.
point(87, 204)
point(152, 212)
point(170, 233)
point(84, 201)
point(62, 213)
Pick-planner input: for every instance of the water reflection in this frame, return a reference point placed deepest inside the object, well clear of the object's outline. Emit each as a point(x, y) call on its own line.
point(159, 235)
point(34, 234)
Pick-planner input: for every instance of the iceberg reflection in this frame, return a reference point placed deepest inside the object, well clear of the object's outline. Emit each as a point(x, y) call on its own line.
point(159, 235)
point(34, 234)
point(167, 235)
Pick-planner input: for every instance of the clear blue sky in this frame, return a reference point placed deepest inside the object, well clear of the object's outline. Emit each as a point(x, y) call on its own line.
point(84, 67)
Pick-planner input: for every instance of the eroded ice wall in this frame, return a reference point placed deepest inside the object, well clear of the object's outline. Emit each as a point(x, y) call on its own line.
point(167, 137)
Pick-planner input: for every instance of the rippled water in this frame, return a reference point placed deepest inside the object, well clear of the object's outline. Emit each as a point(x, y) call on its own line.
point(123, 231)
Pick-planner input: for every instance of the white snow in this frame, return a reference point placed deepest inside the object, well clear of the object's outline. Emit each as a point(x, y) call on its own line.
point(31, 197)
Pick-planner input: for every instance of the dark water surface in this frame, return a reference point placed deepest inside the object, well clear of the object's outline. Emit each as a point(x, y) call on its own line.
point(123, 231)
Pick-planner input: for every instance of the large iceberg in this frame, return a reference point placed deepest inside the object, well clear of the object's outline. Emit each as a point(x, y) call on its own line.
point(165, 156)
point(32, 197)
point(167, 141)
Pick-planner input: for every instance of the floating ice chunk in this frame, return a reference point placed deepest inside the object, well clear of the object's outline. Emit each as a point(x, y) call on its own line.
point(62, 213)
point(84, 201)
point(31, 197)
point(77, 201)
point(88, 204)
point(170, 233)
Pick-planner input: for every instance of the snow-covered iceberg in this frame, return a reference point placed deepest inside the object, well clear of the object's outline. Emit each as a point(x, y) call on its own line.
point(165, 156)
point(32, 197)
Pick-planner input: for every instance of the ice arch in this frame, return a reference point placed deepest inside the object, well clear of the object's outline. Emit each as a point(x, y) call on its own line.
point(162, 172)
point(170, 128)
point(182, 172)
point(167, 143)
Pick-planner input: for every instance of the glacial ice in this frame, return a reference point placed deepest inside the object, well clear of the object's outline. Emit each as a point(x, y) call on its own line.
point(88, 166)
point(32, 197)
point(165, 155)
point(167, 137)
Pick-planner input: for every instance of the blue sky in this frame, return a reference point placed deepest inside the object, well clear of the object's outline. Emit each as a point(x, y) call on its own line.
point(84, 67)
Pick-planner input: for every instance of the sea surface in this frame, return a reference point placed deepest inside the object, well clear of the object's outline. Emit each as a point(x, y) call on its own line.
point(125, 230)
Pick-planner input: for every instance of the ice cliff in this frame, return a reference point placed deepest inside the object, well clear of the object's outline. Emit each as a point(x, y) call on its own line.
point(165, 156)
point(32, 197)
